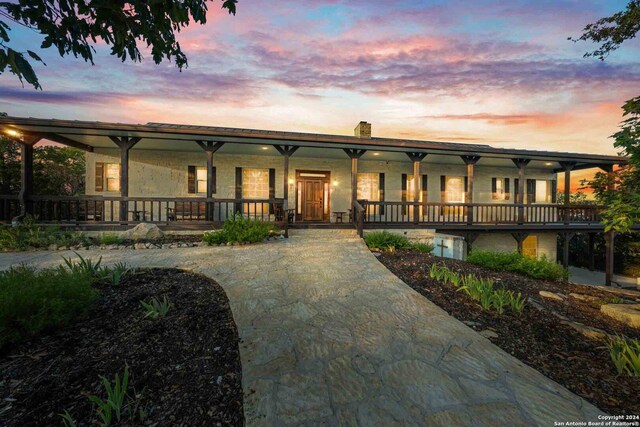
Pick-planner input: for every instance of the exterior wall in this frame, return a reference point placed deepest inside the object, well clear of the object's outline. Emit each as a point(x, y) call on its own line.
point(504, 242)
point(164, 174)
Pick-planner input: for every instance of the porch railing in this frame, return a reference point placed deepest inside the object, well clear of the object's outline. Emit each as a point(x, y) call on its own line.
point(161, 210)
point(477, 213)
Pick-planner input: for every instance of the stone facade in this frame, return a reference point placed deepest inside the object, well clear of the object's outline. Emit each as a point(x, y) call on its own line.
point(157, 173)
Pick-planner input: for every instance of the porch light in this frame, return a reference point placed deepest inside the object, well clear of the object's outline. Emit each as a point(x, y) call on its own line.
point(291, 181)
point(376, 154)
point(265, 148)
point(12, 132)
point(335, 182)
point(548, 164)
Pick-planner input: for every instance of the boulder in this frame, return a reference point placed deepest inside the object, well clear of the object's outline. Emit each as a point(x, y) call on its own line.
point(588, 331)
point(626, 313)
point(143, 231)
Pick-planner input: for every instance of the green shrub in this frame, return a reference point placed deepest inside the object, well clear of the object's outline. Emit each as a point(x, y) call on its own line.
point(156, 308)
point(29, 235)
point(32, 301)
point(512, 261)
point(385, 240)
point(240, 230)
point(625, 355)
point(111, 239)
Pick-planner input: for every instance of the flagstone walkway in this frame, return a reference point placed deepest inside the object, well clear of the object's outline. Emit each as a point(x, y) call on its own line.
point(331, 337)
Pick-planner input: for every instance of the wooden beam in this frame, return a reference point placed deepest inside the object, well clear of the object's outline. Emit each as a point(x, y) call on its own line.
point(286, 150)
point(520, 236)
point(210, 146)
point(354, 153)
point(470, 160)
point(470, 238)
point(354, 184)
point(65, 141)
point(416, 156)
point(609, 239)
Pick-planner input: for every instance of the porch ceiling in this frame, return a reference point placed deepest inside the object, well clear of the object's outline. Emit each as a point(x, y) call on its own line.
point(173, 137)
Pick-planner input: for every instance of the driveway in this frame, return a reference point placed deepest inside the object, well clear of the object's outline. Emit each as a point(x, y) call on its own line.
point(330, 336)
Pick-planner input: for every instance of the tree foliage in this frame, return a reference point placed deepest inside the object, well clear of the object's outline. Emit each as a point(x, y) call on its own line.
point(610, 32)
point(75, 26)
point(620, 190)
point(57, 171)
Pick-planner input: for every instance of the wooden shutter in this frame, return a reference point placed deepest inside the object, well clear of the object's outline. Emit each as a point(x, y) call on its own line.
point(443, 188)
point(507, 190)
point(404, 192)
point(99, 180)
point(554, 191)
point(191, 179)
point(466, 184)
point(516, 189)
point(531, 191)
point(494, 188)
point(381, 191)
point(272, 189)
point(213, 181)
point(238, 207)
point(425, 183)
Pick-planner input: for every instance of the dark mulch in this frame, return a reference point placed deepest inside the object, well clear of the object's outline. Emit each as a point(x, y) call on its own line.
point(185, 368)
point(537, 337)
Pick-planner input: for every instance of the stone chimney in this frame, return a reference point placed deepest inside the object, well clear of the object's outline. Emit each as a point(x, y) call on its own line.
point(363, 130)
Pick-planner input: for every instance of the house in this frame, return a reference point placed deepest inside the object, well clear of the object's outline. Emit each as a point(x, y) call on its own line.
point(183, 176)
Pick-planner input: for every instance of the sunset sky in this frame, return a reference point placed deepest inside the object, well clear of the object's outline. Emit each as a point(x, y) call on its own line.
point(494, 72)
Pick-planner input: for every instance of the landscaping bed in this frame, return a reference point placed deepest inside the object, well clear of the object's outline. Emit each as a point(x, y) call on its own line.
point(538, 336)
point(183, 367)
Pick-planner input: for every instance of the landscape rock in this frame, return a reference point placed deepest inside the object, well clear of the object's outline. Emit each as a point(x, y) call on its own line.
point(551, 295)
point(488, 333)
point(588, 331)
point(626, 313)
point(53, 247)
point(143, 231)
point(140, 246)
point(587, 298)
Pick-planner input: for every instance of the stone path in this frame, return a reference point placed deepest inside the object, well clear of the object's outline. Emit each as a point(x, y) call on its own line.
point(331, 337)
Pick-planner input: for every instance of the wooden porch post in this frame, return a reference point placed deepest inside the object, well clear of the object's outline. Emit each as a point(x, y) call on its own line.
point(519, 239)
point(416, 158)
point(566, 240)
point(26, 170)
point(567, 167)
point(125, 143)
point(521, 164)
point(286, 151)
point(592, 261)
point(470, 238)
point(210, 148)
point(470, 161)
point(354, 154)
point(609, 236)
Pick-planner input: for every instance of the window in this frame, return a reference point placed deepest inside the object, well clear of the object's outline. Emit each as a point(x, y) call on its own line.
point(500, 189)
point(454, 189)
point(411, 189)
point(543, 191)
point(201, 179)
point(530, 246)
point(107, 176)
point(368, 187)
point(255, 185)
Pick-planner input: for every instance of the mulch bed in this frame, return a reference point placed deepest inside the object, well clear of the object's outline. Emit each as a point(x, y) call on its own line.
point(537, 337)
point(184, 368)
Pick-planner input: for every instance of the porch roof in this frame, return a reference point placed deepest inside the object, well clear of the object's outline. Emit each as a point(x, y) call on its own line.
point(89, 135)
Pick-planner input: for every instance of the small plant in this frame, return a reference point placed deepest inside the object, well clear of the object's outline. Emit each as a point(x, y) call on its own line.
point(30, 235)
point(500, 299)
point(67, 419)
point(111, 239)
point(155, 308)
point(615, 300)
point(33, 300)
point(115, 401)
point(625, 355)
point(117, 272)
point(85, 266)
point(385, 240)
point(239, 230)
point(422, 247)
point(512, 261)
point(486, 300)
point(516, 302)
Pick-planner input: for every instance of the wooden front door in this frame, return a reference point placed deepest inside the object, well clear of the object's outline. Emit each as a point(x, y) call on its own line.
point(312, 195)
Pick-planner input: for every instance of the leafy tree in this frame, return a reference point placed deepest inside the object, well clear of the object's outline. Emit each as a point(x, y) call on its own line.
point(57, 171)
point(577, 198)
point(75, 26)
point(612, 31)
point(620, 191)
